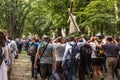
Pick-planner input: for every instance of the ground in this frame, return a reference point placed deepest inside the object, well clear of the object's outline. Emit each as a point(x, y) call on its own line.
point(22, 69)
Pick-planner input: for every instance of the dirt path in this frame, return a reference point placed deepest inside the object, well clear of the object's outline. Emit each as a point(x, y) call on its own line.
point(22, 68)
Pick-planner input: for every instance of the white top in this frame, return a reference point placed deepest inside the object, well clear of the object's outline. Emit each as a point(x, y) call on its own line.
point(13, 47)
point(93, 46)
point(68, 48)
point(3, 67)
point(59, 51)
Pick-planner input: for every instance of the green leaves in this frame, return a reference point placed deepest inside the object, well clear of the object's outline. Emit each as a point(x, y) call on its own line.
point(48, 16)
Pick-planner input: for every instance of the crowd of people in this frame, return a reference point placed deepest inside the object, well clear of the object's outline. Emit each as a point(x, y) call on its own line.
point(74, 57)
point(61, 58)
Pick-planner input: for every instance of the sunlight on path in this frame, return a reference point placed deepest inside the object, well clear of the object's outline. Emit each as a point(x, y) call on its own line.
point(22, 68)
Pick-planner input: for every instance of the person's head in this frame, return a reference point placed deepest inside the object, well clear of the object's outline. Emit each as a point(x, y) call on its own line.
point(71, 38)
point(59, 40)
point(77, 39)
point(117, 39)
point(33, 39)
point(45, 38)
point(65, 40)
point(9, 37)
point(37, 40)
point(2, 39)
point(109, 39)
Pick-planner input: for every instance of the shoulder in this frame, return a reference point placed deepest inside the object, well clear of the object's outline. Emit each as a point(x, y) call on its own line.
point(68, 46)
point(50, 45)
point(92, 44)
point(36, 43)
point(13, 42)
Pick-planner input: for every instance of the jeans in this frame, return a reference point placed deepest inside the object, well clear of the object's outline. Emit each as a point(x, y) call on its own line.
point(33, 71)
point(69, 70)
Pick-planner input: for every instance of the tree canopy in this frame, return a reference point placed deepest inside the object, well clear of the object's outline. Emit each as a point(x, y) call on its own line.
point(25, 17)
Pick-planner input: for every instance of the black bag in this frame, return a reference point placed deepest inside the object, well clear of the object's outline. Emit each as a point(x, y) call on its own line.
point(84, 52)
point(1, 56)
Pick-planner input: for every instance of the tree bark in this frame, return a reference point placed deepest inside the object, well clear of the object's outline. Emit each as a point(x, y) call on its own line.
point(59, 32)
point(11, 19)
point(117, 16)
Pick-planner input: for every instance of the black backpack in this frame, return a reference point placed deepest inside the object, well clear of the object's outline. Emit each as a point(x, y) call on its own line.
point(1, 56)
point(84, 52)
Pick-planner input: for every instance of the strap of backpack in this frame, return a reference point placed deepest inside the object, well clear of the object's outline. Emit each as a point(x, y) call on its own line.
point(43, 51)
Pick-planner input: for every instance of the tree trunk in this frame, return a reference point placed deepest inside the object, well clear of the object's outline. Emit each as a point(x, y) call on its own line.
point(11, 19)
point(59, 32)
point(117, 16)
point(101, 30)
point(116, 10)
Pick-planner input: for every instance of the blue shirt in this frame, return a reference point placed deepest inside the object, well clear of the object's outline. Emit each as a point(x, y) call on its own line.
point(111, 50)
point(36, 44)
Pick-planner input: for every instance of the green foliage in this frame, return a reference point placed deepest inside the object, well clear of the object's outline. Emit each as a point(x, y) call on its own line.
point(48, 16)
point(98, 17)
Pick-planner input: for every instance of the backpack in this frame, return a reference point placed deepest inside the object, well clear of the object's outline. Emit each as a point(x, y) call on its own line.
point(89, 49)
point(32, 50)
point(74, 51)
point(99, 52)
point(83, 52)
point(1, 56)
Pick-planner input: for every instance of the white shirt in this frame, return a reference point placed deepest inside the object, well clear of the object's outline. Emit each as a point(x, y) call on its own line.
point(59, 51)
point(13, 44)
point(3, 67)
point(68, 48)
point(13, 47)
point(93, 46)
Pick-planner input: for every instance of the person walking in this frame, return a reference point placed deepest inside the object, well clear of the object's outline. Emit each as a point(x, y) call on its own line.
point(59, 48)
point(46, 58)
point(4, 58)
point(96, 61)
point(111, 53)
point(32, 50)
point(68, 62)
point(117, 42)
point(13, 48)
